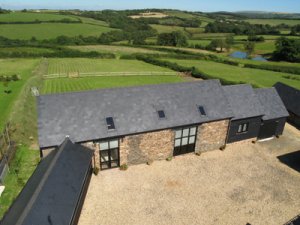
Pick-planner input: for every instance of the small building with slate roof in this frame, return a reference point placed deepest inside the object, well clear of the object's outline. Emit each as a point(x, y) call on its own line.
point(291, 99)
point(134, 125)
point(55, 192)
point(247, 111)
point(275, 113)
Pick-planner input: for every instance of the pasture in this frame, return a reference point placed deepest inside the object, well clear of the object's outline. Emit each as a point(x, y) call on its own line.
point(83, 65)
point(166, 28)
point(273, 22)
point(261, 78)
point(21, 67)
point(32, 16)
point(51, 30)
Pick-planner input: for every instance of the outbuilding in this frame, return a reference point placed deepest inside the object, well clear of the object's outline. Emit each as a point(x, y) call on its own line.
point(291, 99)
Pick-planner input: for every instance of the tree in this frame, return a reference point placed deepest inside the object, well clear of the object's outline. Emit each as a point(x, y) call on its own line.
point(287, 50)
point(216, 44)
point(229, 41)
point(176, 38)
point(249, 47)
point(6, 87)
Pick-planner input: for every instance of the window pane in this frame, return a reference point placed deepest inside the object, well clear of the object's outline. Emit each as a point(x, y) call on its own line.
point(185, 132)
point(114, 164)
point(103, 145)
point(240, 128)
point(192, 131)
point(104, 165)
point(192, 140)
point(184, 141)
point(114, 154)
point(104, 156)
point(178, 134)
point(177, 142)
point(245, 128)
point(113, 144)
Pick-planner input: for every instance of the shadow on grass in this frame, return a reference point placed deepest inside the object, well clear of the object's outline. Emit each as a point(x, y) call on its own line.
point(291, 159)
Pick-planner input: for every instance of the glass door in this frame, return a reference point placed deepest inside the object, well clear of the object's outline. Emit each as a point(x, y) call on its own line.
point(109, 154)
point(185, 140)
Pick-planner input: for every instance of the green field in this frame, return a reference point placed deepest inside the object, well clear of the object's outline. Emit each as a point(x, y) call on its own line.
point(273, 22)
point(31, 16)
point(261, 78)
point(50, 30)
point(25, 50)
point(90, 83)
point(166, 29)
point(118, 50)
point(83, 65)
point(21, 67)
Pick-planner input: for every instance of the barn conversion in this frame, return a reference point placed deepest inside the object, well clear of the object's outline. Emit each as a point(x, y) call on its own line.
point(291, 99)
point(135, 125)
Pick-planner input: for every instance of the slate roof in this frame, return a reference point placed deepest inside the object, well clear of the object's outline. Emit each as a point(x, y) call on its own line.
point(290, 97)
point(82, 115)
point(52, 192)
point(273, 106)
point(243, 101)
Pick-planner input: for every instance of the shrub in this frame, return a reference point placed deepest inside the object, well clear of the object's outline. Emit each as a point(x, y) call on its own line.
point(283, 69)
point(96, 170)
point(169, 158)
point(124, 167)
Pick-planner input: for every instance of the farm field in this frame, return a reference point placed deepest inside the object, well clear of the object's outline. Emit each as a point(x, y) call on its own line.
point(83, 65)
point(21, 67)
point(32, 16)
point(51, 30)
point(166, 29)
point(273, 22)
point(61, 85)
point(25, 50)
point(261, 78)
point(118, 50)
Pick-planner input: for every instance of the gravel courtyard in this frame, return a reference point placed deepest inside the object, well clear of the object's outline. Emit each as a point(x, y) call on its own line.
point(246, 183)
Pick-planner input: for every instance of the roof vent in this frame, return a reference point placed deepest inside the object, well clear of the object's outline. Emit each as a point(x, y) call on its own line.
point(201, 110)
point(110, 123)
point(161, 114)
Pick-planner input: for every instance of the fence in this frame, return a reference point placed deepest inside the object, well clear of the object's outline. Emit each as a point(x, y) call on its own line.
point(103, 74)
point(7, 152)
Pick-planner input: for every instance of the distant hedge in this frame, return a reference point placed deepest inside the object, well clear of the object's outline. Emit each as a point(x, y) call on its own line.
point(283, 69)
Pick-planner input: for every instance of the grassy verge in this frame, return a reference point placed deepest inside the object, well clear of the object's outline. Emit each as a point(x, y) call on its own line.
point(21, 168)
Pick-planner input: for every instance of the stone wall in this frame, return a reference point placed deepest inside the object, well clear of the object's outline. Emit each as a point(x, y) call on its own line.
point(146, 147)
point(211, 136)
point(96, 157)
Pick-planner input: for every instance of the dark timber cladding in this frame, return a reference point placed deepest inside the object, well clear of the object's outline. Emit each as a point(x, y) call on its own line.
point(55, 192)
point(275, 113)
point(84, 116)
point(247, 112)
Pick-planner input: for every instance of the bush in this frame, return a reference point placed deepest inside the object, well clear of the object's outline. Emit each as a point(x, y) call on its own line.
point(169, 158)
point(96, 170)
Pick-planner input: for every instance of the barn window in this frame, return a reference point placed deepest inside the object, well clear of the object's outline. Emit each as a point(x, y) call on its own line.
point(201, 110)
point(243, 128)
point(161, 114)
point(110, 123)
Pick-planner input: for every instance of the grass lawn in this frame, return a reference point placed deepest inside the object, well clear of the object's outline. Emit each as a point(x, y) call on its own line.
point(84, 65)
point(199, 42)
point(51, 30)
point(21, 67)
point(261, 78)
point(61, 85)
point(21, 168)
point(118, 50)
point(31, 16)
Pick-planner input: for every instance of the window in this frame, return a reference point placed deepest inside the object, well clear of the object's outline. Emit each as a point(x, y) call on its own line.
point(201, 110)
point(185, 140)
point(161, 114)
point(110, 123)
point(243, 128)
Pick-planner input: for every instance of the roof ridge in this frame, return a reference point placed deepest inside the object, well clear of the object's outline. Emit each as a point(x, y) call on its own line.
point(43, 181)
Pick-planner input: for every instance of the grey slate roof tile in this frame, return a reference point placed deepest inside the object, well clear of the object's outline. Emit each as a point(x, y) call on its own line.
point(243, 101)
point(272, 104)
point(81, 115)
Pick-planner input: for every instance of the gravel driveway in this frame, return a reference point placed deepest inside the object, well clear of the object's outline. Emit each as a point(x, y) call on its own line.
point(246, 183)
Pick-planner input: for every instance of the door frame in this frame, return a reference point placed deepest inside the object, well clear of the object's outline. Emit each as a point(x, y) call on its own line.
point(109, 153)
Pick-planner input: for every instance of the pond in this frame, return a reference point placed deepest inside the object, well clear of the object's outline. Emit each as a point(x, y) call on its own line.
point(244, 55)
